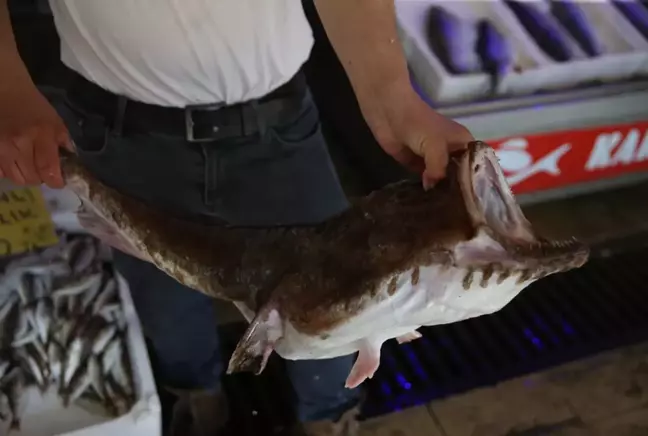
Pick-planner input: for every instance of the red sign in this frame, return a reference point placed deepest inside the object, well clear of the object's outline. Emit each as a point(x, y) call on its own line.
point(553, 160)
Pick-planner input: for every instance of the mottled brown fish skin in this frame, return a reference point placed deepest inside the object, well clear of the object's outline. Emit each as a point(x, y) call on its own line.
point(321, 272)
point(226, 263)
point(416, 275)
point(318, 276)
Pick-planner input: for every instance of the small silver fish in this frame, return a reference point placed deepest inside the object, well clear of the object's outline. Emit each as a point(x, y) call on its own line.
point(103, 338)
point(77, 286)
point(38, 351)
point(30, 314)
point(25, 288)
point(122, 372)
point(21, 329)
point(55, 356)
point(59, 310)
point(72, 359)
point(42, 286)
point(7, 306)
point(110, 307)
point(55, 269)
point(73, 304)
point(71, 248)
point(31, 361)
point(112, 353)
point(5, 412)
point(64, 330)
point(97, 380)
point(24, 332)
point(88, 373)
point(4, 367)
point(108, 293)
point(43, 358)
point(28, 338)
point(84, 257)
point(117, 396)
point(89, 296)
point(23, 325)
point(43, 315)
point(37, 263)
point(113, 313)
point(11, 376)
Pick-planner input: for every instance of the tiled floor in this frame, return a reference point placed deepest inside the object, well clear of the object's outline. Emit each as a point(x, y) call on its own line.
point(605, 395)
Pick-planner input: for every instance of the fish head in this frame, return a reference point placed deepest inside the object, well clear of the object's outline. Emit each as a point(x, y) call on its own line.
point(459, 250)
point(502, 235)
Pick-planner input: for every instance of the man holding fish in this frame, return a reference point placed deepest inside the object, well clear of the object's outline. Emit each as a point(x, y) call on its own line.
point(199, 108)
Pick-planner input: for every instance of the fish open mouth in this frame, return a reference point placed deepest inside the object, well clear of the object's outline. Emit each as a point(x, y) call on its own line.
point(493, 209)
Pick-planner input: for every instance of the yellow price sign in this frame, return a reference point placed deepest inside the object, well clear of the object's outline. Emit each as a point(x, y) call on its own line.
point(25, 222)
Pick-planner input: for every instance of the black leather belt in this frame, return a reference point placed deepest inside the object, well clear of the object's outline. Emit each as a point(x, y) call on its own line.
point(196, 123)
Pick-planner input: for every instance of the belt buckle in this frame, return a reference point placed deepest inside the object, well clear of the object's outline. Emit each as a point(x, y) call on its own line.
point(189, 122)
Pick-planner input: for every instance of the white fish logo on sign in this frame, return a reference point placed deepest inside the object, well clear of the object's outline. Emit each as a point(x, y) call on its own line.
point(518, 163)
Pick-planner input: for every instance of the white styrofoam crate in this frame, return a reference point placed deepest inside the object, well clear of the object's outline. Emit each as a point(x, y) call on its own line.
point(626, 51)
point(62, 205)
point(623, 29)
point(44, 415)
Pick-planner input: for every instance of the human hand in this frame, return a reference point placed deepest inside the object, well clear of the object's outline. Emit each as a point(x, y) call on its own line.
point(412, 132)
point(31, 133)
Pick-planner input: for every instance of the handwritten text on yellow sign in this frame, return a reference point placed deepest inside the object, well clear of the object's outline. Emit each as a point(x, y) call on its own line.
point(25, 223)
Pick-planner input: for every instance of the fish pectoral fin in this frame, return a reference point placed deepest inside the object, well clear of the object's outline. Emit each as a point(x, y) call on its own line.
point(254, 349)
point(365, 365)
point(408, 337)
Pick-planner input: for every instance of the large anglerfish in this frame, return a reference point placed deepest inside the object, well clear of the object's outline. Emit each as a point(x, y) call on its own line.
point(398, 259)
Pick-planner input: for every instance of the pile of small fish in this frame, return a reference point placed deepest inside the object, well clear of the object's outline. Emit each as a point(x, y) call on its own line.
point(62, 328)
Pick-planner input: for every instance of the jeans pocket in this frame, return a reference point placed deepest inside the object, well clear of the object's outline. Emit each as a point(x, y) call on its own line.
point(89, 132)
point(286, 181)
point(298, 130)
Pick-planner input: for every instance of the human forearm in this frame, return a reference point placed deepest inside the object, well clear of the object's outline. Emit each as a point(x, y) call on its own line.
point(30, 129)
point(13, 74)
point(363, 34)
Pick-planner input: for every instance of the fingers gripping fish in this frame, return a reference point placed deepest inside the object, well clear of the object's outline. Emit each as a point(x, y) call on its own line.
point(398, 259)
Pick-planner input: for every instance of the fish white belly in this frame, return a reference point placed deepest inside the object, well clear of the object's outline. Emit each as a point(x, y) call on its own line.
point(438, 297)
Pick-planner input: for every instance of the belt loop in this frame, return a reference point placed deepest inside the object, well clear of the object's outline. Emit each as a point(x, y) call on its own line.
point(120, 114)
point(259, 118)
point(211, 164)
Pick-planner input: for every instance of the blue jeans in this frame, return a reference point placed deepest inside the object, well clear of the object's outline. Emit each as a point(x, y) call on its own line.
point(281, 175)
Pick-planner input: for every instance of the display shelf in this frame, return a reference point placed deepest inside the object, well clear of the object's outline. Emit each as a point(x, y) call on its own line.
point(532, 128)
point(566, 110)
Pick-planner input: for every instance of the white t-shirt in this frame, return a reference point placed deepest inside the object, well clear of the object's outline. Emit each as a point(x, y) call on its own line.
point(179, 52)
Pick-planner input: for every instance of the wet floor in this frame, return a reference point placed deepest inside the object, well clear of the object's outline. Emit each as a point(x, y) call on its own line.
point(606, 394)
